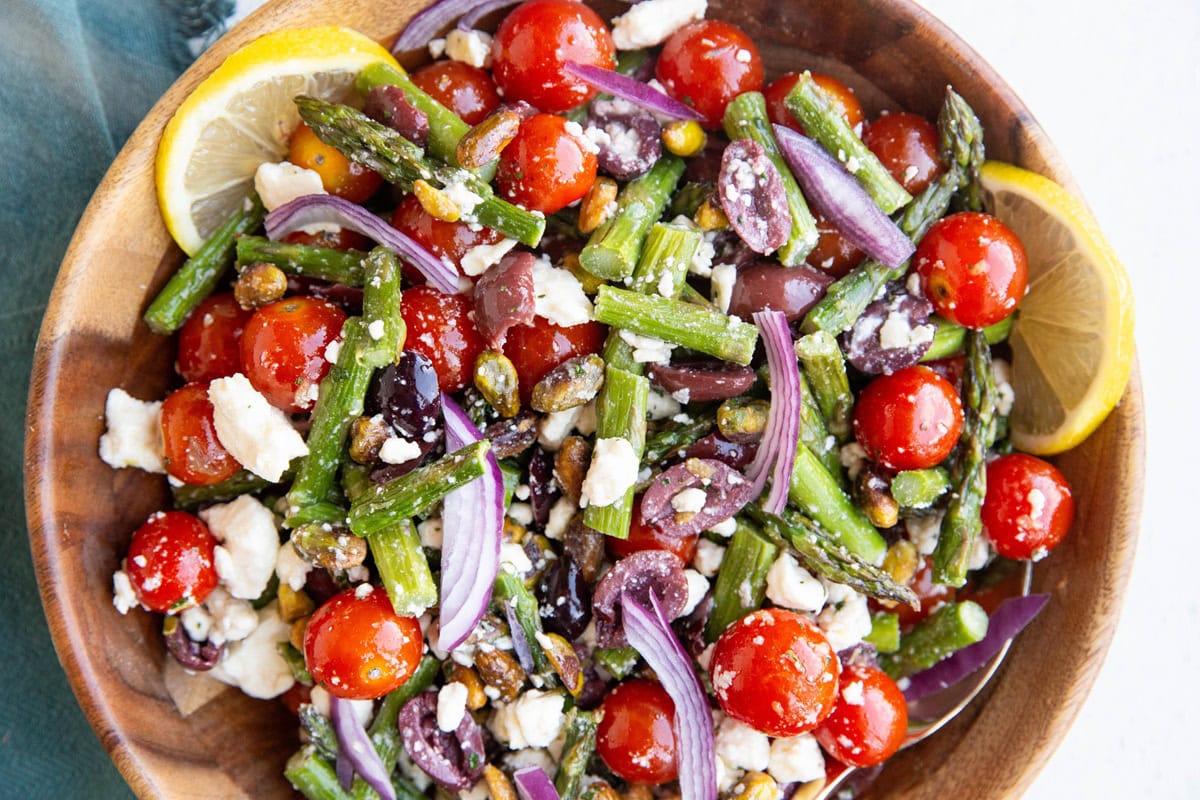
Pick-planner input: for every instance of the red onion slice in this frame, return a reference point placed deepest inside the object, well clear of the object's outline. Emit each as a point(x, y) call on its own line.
point(777, 450)
point(1010, 618)
point(534, 784)
point(472, 523)
point(471, 19)
point(837, 195)
point(650, 634)
point(430, 22)
point(315, 209)
point(618, 85)
point(355, 748)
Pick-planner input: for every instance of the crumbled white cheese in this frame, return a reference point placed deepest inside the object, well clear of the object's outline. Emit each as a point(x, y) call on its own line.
point(697, 587)
point(614, 469)
point(741, 746)
point(723, 278)
point(124, 597)
point(647, 349)
point(514, 559)
point(254, 664)
point(280, 184)
point(585, 423)
point(376, 329)
point(521, 513)
point(846, 620)
point(333, 350)
point(322, 700)
point(470, 47)
point(533, 720)
point(231, 619)
point(196, 622)
point(702, 262)
point(792, 586)
point(852, 693)
point(533, 757)
point(727, 776)
point(306, 394)
point(396, 450)
point(291, 569)
point(1002, 373)
point(437, 48)
point(558, 295)
point(796, 759)
point(254, 432)
point(981, 551)
point(652, 22)
point(661, 406)
point(560, 517)
point(479, 791)
point(556, 427)
point(461, 195)
point(853, 458)
point(689, 501)
point(430, 533)
point(245, 559)
point(923, 532)
point(708, 558)
point(451, 705)
point(896, 333)
point(134, 433)
point(913, 284)
point(725, 527)
point(476, 261)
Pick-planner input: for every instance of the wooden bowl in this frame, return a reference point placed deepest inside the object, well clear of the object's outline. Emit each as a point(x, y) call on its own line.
point(81, 513)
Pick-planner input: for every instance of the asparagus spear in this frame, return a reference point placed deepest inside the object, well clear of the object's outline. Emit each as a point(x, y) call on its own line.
point(688, 199)
point(617, 661)
point(199, 275)
point(403, 568)
point(746, 118)
point(816, 437)
point(620, 413)
point(399, 161)
point(321, 511)
point(825, 367)
point(381, 310)
point(512, 589)
point(313, 776)
point(613, 250)
point(961, 139)
point(823, 121)
point(243, 482)
point(949, 629)
point(678, 322)
point(885, 632)
point(677, 435)
point(949, 338)
point(577, 751)
point(919, 488)
point(337, 266)
point(663, 265)
point(742, 581)
point(968, 477)
point(815, 492)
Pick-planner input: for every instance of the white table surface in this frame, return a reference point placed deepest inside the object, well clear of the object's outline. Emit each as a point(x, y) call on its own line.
point(1116, 84)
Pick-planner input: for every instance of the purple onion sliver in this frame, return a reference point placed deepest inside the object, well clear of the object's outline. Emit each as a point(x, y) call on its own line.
point(644, 95)
point(520, 643)
point(777, 450)
point(534, 784)
point(836, 194)
point(354, 745)
point(315, 209)
point(1009, 619)
point(648, 633)
point(472, 524)
point(429, 23)
point(344, 770)
point(470, 20)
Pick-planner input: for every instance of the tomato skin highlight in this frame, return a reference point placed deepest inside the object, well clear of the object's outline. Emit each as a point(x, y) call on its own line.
point(538, 348)
point(907, 145)
point(209, 339)
point(170, 562)
point(536, 40)
point(441, 329)
point(449, 240)
point(1028, 509)
point(191, 450)
point(283, 349)
point(910, 419)
point(644, 536)
point(842, 96)
point(358, 648)
point(706, 64)
point(339, 175)
point(466, 90)
point(775, 671)
point(636, 737)
point(973, 269)
point(545, 167)
point(870, 720)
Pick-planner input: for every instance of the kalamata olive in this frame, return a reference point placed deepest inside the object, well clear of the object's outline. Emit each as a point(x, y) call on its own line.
point(701, 381)
point(453, 759)
point(509, 437)
point(389, 105)
point(406, 394)
point(196, 656)
point(769, 285)
point(690, 629)
point(695, 495)
point(716, 446)
point(320, 585)
point(629, 138)
point(892, 333)
point(585, 546)
point(595, 687)
point(504, 297)
point(750, 190)
point(564, 598)
point(349, 298)
point(542, 490)
point(637, 575)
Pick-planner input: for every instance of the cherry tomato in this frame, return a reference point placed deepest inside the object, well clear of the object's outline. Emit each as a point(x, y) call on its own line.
point(359, 648)
point(191, 451)
point(536, 40)
point(636, 737)
point(339, 175)
point(643, 536)
point(170, 562)
point(972, 269)
point(870, 720)
point(930, 594)
point(341, 239)
point(283, 349)
point(708, 63)
point(775, 671)
point(468, 91)
point(538, 348)
point(441, 329)
point(295, 697)
point(1028, 508)
point(907, 144)
point(451, 240)
point(910, 419)
point(546, 168)
point(839, 93)
point(208, 340)
point(833, 253)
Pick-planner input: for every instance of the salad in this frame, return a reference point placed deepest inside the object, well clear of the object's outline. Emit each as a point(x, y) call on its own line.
point(580, 415)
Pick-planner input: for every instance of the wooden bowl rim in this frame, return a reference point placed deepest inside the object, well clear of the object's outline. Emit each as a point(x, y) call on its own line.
point(69, 636)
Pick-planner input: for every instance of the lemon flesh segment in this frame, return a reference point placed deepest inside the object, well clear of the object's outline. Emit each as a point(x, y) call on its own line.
point(1073, 338)
point(242, 116)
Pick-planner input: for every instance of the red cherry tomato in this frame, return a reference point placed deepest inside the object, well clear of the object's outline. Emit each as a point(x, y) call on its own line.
point(870, 720)
point(339, 175)
point(972, 269)
point(208, 340)
point(839, 93)
point(359, 648)
point(283, 349)
point(775, 671)
point(1028, 508)
point(191, 451)
point(546, 168)
point(907, 144)
point(910, 419)
point(170, 562)
point(451, 240)
point(468, 91)
point(440, 328)
point(341, 239)
point(643, 536)
point(295, 697)
point(708, 63)
point(930, 594)
point(636, 737)
point(534, 42)
point(833, 253)
point(538, 348)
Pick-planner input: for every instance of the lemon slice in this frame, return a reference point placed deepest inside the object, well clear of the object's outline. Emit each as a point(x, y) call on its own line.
point(242, 114)
point(1073, 338)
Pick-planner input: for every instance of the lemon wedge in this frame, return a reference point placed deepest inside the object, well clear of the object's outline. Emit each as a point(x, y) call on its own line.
point(242, 114)
point(1073, 338)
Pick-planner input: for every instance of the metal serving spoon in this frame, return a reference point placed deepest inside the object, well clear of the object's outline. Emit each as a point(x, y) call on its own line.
point(931, 713)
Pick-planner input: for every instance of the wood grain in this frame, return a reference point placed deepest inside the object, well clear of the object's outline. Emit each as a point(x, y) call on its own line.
point(81, 513)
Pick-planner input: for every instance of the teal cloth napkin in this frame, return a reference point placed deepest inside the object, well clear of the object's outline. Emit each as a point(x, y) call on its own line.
point(76, 76)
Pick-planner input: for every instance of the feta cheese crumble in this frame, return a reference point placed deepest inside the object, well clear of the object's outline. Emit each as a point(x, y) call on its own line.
point(689, 501)
point(846, 620)
point(533, 720)
point(123, 595)
point(396, 450)
point(254, 664)
point(451, 706)
point(742, 747)
point(614, 469)
point(708, 558)
point(291, 568)
point(697, 587)
point(723, 278)
point(796, 759)
point(279, 184)
point(647, 349)
point(652, 22)
point(254, 432)
point(558, 295)
point(792, 586)
point(134, 433)
point(245, 560)
point(470, 47)
point(477, 260)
